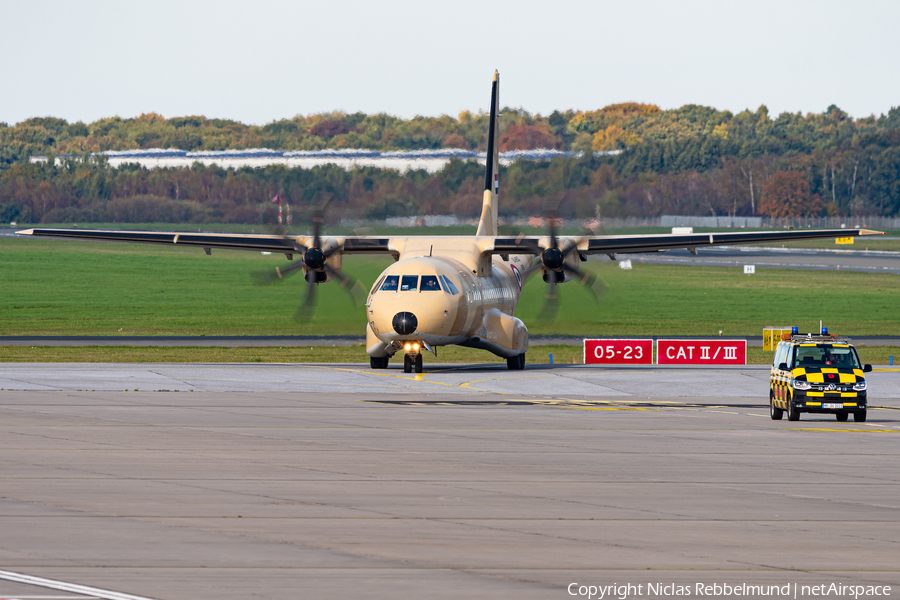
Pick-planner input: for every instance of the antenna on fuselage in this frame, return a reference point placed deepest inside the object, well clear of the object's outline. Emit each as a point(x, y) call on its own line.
point(489, 213)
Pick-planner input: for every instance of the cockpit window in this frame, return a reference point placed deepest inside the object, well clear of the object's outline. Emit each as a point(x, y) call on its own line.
point(430, 284)
point(448, 285)
point(377, 286)
point(390, 283)
point(409, 283)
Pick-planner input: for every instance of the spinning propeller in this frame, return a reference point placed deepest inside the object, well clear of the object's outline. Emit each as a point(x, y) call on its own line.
point(552, 261)
point(315, 261)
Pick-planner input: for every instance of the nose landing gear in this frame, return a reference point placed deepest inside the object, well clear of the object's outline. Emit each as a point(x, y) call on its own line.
point(412, 361)
point(516, 363)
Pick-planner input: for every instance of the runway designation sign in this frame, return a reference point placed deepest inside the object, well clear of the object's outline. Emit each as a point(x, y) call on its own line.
point(618, 352)
point(701, 352)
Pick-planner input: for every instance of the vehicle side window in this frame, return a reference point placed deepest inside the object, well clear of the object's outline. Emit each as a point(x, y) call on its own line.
point(430, 283)
point(409, 283)
point(390, 283)
point(791, 358)
point(854, 359)
point(448, 285)
point(779, 355)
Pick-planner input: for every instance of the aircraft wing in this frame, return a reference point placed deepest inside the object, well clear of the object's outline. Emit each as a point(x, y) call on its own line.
point(234, 241)
point(612, 245)
point(624, 244)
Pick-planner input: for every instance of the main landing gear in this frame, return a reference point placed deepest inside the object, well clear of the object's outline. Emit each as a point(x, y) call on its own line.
point(379, 362)
point(411, 362)
point(516, 363)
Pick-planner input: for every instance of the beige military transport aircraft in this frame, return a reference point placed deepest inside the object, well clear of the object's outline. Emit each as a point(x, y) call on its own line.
point(446, 290)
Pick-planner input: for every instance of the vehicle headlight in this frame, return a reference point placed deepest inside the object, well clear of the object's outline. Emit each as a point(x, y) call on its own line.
point(801, 385)
point(859, 386)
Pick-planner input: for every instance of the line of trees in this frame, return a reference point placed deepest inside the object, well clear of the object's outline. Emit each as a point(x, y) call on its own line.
point(691, 160)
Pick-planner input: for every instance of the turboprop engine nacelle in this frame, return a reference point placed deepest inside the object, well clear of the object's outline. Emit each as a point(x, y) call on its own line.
point(571, 260)
point(315, 260)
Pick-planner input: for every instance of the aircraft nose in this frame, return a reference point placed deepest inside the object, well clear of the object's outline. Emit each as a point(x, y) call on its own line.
point(405, 323)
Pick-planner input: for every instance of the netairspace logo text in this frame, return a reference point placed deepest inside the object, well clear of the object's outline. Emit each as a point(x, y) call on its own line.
point(791, 590)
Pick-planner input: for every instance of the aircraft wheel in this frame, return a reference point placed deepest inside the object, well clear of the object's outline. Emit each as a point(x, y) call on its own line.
point(379, 362)
point(516, 363)
point(860, 417)
point(793, 413)
point(774, 412)
point(407, 364)
point(418, 364)
point(841, 416)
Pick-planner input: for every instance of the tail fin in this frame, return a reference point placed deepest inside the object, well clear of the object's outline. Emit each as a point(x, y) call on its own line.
point(489, 214)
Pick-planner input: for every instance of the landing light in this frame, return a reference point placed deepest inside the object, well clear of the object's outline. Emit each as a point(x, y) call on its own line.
point(415, 346)
point(407, 347)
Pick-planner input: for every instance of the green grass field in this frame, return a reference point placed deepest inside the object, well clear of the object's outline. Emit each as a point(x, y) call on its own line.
point(80, 288)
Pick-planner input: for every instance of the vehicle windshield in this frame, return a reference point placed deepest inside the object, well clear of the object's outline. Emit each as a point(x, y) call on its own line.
point(835, 357)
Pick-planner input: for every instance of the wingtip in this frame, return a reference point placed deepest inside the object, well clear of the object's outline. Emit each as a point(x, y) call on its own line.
point(496, 74)
point(870, 232)
point(25, 232)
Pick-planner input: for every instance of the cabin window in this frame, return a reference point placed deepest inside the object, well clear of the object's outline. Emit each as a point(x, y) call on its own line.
point(390, 283)
point(448, 285)
point(430, 284)
point(409, 283)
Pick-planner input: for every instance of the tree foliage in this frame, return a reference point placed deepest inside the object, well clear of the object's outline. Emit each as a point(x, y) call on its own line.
point(689, 160)
point(786, 194)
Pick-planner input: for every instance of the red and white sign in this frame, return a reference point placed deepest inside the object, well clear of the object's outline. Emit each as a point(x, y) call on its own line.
point(618, 352)
point(701, 352)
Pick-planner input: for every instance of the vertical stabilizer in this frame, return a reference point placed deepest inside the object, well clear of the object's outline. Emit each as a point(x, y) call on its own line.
point(489, 214)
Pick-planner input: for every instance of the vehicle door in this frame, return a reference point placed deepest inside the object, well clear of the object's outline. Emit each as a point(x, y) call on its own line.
point(786, 375)
point(775, 373)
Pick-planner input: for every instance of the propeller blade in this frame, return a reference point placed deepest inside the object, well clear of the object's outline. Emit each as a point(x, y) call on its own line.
point(317, 230)
point(570, 246)
point(533, 246)
point(552, 222)
point(319, 218)
point(551, 302)
point(305, 311)
point(536, 266)
point(270, 277)
point(593, 284)
point(352, 286)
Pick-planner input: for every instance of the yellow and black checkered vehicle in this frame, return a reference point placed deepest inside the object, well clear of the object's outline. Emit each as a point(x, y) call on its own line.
point(817, 374)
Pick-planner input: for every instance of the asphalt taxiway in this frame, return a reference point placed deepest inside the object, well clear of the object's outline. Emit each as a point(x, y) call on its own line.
point(814, 259)
point(295, 481)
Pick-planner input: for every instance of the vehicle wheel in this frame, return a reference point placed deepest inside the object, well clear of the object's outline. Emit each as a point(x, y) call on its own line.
point(793, 413)
point(774, 412)
point(860, 417)
point(407, 364)
point(379, 362)
point(842, 416)
point(418, 363)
